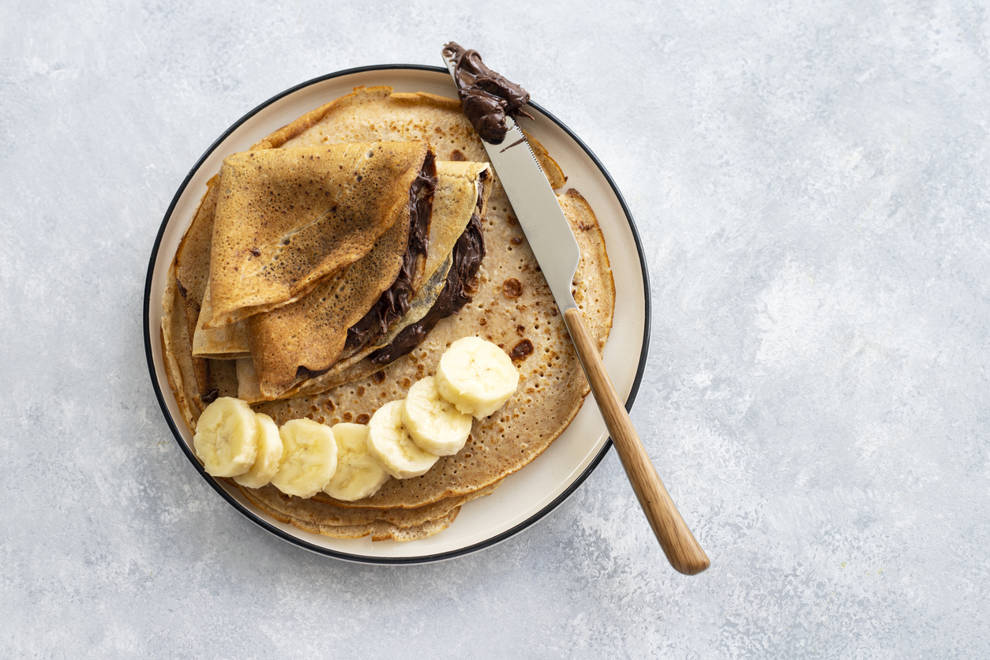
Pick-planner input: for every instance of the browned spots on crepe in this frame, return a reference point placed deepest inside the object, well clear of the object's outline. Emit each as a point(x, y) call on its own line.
point(521, 350)
point(512, 288)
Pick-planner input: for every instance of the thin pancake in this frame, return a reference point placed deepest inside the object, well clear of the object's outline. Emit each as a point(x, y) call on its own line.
point(180, 367)
point(348, 368)
point(378, 530)
point(309, 334)
point(192, 268)
point(462, 189)
point(512, 306)
point(323, 510)
point(321, 516)
point(287, 218)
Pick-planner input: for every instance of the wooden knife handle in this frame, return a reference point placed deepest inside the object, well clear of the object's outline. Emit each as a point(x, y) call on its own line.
point(675, 538)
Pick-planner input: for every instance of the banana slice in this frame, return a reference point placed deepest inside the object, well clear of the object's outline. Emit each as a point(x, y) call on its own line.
point(476, 376)
point(269, 454)
point(359, 474)
point(391, 444)
point(433, 422)
point(226, 437)
point(309, 458)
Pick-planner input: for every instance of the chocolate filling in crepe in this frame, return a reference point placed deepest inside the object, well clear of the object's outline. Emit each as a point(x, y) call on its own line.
point(466, 259)
point(426, 272)
point(395, 301)
point(295, 341)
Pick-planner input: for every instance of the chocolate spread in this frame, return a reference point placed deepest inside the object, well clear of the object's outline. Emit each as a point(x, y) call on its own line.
point(486, 96)
point(394, 303)
point(467, 255)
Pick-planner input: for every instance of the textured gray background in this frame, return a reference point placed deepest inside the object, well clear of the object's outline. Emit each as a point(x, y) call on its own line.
point(812, 184)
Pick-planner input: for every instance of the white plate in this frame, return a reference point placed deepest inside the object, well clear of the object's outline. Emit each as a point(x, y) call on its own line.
point(523, 497)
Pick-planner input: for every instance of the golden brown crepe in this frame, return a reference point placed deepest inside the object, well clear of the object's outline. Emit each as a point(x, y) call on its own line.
point(511, 306)
point(308, 335)
point(287, 218)
point(321, 515)
point(460, 188)
point(192, 273)
point(323, 316)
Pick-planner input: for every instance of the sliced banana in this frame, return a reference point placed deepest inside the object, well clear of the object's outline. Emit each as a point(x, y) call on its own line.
point(433, 422)
point(476, 376)
point(309, 458)
point(392, 445)
point(226, 437)
point(269, 454)
point(359, 474)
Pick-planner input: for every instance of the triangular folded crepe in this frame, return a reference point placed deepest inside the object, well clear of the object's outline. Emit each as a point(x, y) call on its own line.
point(287, 218)
point(309, 332)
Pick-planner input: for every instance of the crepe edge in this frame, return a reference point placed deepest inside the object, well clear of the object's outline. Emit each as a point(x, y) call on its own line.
point(379, 529)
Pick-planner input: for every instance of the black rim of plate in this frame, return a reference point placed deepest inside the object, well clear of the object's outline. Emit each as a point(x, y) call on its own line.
point(254, 517)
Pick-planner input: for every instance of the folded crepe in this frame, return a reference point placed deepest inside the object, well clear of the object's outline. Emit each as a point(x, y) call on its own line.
point(310, 342)
point(286, 219)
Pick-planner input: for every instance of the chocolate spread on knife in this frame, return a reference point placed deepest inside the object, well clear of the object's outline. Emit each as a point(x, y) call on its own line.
point(486, 96)
point(394, 303)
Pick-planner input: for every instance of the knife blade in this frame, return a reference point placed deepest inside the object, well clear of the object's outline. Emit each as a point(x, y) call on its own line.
point(535, 204)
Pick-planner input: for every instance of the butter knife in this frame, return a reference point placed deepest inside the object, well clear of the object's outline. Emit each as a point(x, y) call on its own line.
point(552, 241)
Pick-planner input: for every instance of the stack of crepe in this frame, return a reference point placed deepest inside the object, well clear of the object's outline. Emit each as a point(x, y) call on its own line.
point(321, 256)
point(284, 292)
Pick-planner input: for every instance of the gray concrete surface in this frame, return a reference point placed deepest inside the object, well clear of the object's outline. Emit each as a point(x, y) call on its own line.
point(812, 183)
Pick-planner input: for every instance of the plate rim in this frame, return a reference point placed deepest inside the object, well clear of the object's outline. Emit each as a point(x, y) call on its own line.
point(348, 556)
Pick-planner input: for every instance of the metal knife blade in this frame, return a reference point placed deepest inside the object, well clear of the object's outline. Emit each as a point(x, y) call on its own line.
point(535, 205)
